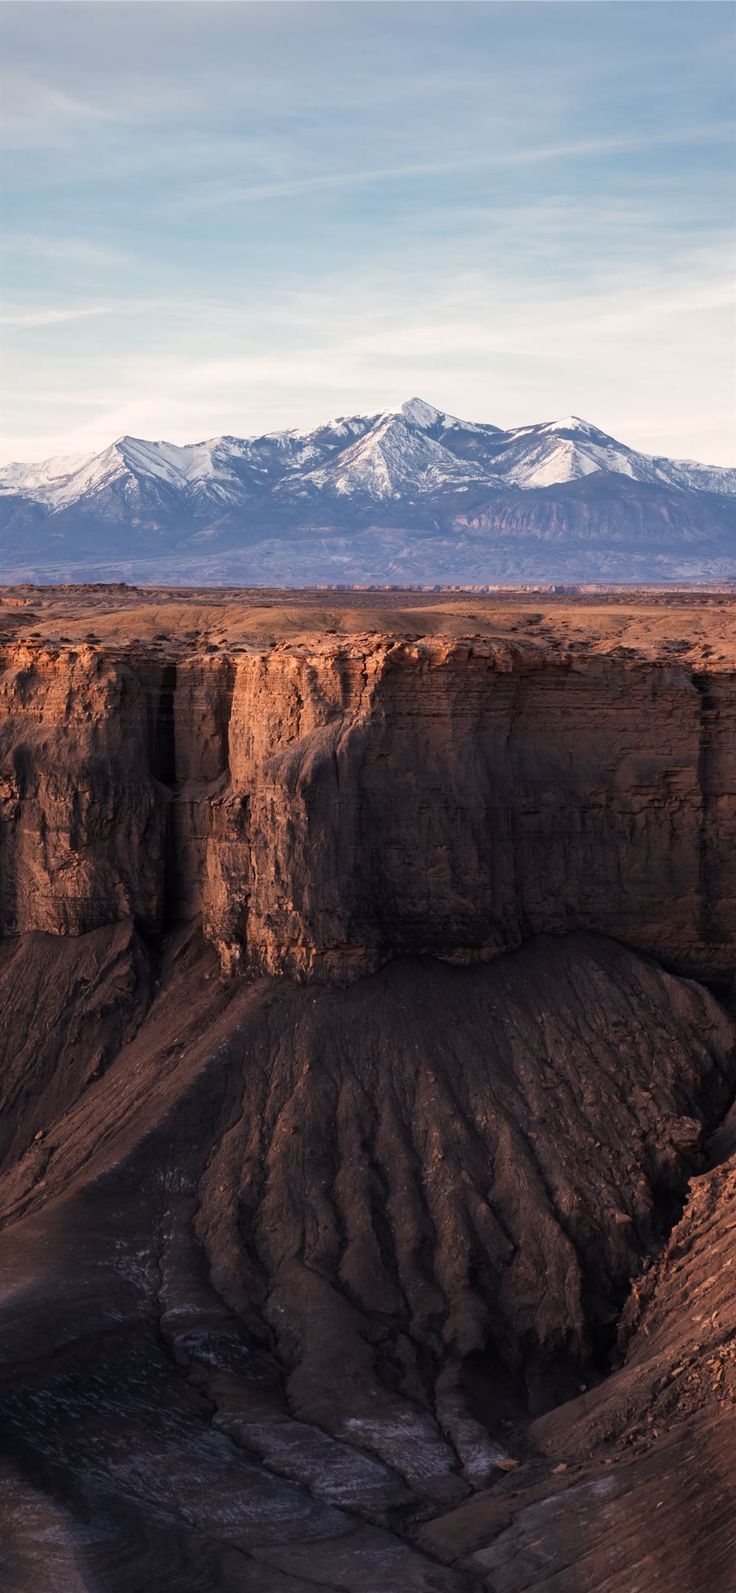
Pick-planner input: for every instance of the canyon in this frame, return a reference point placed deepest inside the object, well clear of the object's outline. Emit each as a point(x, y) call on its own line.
point(367, 1152)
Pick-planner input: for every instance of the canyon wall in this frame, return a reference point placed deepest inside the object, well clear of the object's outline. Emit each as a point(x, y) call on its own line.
point(328, 804)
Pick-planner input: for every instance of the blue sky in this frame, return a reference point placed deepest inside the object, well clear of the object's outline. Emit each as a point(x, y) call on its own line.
point(235, 217)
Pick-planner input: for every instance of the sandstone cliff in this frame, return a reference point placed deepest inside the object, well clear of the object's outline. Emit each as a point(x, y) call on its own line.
point(325, 807)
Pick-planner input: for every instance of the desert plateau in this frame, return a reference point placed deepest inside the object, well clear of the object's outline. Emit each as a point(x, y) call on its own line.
point(367, 1066)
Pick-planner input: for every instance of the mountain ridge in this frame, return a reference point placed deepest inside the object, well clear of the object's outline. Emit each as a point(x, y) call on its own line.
point(410, 493)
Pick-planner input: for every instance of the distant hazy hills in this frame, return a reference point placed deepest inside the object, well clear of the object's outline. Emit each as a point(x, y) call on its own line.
point(410, 495)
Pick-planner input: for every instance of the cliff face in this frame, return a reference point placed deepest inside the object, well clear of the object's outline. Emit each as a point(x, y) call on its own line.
point(326, 806)
point(82, 842)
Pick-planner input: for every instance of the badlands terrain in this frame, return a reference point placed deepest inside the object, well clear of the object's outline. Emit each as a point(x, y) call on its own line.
point(367, 1060)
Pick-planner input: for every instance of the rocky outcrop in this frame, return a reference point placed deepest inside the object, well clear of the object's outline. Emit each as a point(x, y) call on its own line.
point(325, 806)
point(632, 1484)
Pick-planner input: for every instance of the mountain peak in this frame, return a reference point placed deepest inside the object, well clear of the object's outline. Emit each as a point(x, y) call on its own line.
point(426, 417)
point(574, 423)
point(421, 414)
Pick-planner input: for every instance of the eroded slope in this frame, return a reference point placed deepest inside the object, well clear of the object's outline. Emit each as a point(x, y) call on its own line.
point(300, 1263)
point(633, 1485)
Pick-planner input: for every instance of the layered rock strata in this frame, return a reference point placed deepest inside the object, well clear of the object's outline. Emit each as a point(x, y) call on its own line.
point(325, 807)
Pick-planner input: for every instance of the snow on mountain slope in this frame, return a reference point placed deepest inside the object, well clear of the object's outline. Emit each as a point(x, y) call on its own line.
point(565, 450)
point(63, 481)
point(408, 454)
point(39, 481)
point(418, 413)
point(398, 458)
point(227, 469)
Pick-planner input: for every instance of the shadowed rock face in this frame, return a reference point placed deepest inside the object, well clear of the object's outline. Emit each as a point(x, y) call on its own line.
point(325, 808)
point(297, 1264)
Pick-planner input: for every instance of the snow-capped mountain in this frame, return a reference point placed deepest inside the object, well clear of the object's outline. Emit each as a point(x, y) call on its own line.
point(565, 450)
point(409, 493)
point(400, 455)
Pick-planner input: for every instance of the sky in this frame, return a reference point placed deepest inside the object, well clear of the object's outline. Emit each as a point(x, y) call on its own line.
point(233, 218)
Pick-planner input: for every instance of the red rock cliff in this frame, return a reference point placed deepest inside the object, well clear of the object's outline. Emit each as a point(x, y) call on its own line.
point(329, 804)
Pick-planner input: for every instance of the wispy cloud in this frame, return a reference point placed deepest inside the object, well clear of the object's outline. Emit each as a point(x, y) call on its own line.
point(24, 320)
point(212, 195)
point(33, 111)
point(638, 354)
point(56, 248)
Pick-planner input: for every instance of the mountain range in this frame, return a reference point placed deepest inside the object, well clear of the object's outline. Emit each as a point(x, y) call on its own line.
point(410, 495)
